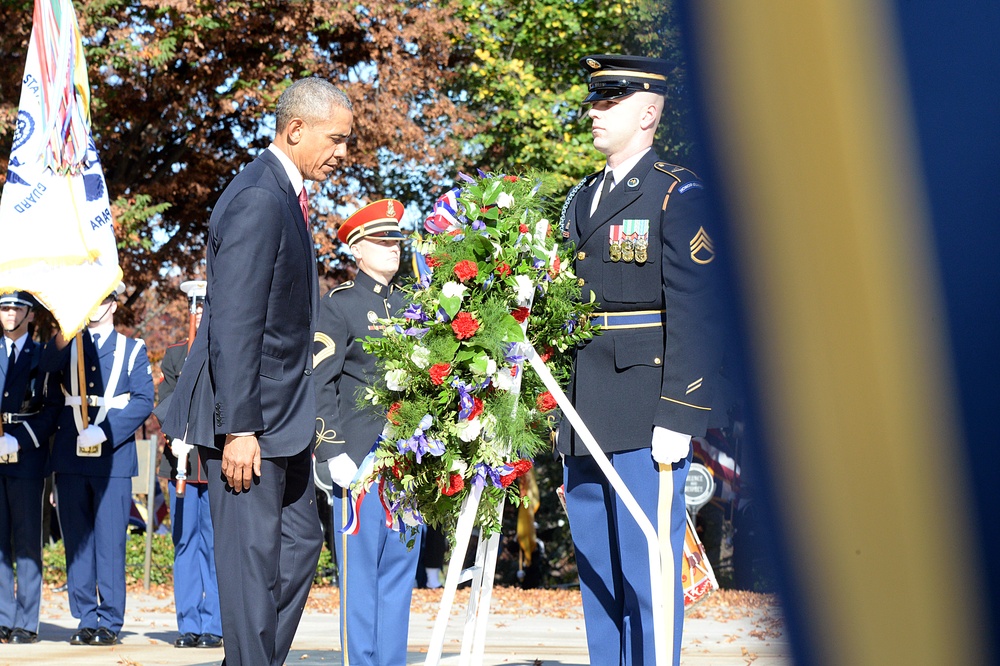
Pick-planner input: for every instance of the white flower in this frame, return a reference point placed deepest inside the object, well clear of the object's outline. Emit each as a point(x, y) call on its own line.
point(396, 380)
point(459, 466)
point(504, 200)
point(452, 289)
point(502, 380)
point(421, 356)
point(469, 430)
point(525, 289)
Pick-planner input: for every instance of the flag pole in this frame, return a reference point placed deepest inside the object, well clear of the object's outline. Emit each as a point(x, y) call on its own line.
point(81, 370)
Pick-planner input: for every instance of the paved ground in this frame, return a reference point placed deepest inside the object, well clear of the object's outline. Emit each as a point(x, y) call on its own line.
point(533, 628)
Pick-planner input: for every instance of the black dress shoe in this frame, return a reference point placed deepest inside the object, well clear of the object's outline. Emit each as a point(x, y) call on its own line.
point(103, 636)
point(23, 636)
point(4, 634)
point(82, 636)
point(187, 640)
point(209, 641)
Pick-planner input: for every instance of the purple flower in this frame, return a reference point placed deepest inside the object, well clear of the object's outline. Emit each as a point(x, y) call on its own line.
point(415, 332)
point(415, 312)
point(466, 178)
point(485, 473)
point(478, 225)
point(513, 357)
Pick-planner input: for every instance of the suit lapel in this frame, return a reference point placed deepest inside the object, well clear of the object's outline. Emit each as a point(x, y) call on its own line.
point(294, 218)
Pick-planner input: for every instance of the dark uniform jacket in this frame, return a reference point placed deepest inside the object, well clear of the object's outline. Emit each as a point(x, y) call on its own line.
point(249, 369)
point(347, 315)
point(628, 380)
point(118, 457)
point(28, 418)
point(170, 366)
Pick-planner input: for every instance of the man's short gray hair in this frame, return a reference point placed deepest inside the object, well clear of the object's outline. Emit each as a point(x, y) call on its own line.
point(309, 99)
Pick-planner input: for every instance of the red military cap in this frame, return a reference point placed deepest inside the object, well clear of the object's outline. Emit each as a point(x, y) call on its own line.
point(379, 219)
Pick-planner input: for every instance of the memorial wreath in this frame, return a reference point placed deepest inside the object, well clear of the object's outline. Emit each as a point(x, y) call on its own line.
point(461, 412)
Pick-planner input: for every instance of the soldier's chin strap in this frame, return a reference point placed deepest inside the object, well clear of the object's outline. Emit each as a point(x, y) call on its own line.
point(18, 324)
point(98, 318)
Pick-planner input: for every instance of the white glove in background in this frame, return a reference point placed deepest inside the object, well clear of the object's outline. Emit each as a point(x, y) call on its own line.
point(180, 448)
point(342, 470)
point(90, 436)
point(668, 446)
point(8, 445)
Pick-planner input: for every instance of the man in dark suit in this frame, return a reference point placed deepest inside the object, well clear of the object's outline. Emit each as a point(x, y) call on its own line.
point(27, 424)
point(94, 464)
point(644, 387)
point(246, 394)
point(377, 570)
point(196, 586)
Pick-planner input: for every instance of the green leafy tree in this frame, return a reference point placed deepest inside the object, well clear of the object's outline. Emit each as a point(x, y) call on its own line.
point(519, 70)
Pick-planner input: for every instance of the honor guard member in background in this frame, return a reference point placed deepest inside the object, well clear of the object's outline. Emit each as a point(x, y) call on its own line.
point(644, 387)
point(196, 586)
point(94, 461)
point(26, 425)
point(377, 570)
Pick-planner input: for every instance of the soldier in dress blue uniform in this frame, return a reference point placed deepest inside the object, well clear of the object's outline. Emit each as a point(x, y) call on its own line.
point(94, 465)
point(644, 387)
point(196, 584)
point(377, 570)
point(27, 424)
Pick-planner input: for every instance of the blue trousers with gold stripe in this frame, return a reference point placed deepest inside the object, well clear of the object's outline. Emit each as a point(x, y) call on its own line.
point(611, 554)
point(377, 574)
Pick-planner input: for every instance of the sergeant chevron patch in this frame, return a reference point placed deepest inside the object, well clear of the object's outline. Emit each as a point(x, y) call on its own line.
point(694, 386)
point(702, 248)
point(328, 347)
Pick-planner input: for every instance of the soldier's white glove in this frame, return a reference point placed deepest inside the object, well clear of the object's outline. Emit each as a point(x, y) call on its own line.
point(8, 445)
point(342, 470)
point(180, 448)
point(90, 436)
point(669, 447)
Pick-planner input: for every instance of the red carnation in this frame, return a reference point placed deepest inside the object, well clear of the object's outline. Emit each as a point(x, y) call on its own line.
point(547, 355)
point(465, 270)
point(554, 271)
point(432, 261)
point(503, 270)
point(455, 484)
point(393, 410)
point(520, 314)
point(454, 232)
point(510, 179)
point(523, 228)
point(464, 325)
point(484, 209)
point(438, 372)
point(477, 408)
point(546, 402)
point(521, 468)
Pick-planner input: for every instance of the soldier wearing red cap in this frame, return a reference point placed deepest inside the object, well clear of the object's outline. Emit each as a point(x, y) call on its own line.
point(376, 569)
point(644, 251)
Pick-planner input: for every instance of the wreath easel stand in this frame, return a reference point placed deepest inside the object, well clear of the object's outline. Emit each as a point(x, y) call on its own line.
point(483, 571)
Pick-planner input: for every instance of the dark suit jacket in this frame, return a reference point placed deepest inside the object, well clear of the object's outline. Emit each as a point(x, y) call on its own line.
point(170, 366)
point(626, 381)
point(250, 366)
point(23, 394)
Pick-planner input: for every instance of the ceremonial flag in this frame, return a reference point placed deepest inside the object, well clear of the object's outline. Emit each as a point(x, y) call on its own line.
point(59, 242)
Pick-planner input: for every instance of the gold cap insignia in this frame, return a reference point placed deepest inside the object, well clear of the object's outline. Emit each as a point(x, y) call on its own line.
point(593, 64)
point(702, 248)
point(390, 209)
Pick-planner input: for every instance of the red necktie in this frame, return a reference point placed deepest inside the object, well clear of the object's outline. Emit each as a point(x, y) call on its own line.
point(304, 205)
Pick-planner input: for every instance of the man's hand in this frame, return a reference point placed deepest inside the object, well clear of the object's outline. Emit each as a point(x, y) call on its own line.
point(669, 447)
point(342, 470)
point(240, 461)
point(8, 444)
point(92, 435)
point(180, 448)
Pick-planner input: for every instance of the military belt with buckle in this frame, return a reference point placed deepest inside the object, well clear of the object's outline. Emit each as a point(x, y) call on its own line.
point(10, 418)
point(619, 320)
